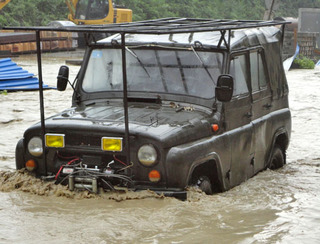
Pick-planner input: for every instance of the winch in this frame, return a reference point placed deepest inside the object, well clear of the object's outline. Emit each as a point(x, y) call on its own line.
point(81, 177)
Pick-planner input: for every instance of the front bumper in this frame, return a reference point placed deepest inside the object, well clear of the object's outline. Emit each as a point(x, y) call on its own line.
point(93, 181)
point(93, 184)
point(181, 195)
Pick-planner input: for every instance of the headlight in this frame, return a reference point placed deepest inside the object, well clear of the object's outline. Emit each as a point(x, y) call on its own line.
point(55, 140)
point(147, 155)
point(111, 144)
point(35, 146)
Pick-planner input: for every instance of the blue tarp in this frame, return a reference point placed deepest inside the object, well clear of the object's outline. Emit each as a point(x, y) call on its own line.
point(14, 78)
point(288, 62)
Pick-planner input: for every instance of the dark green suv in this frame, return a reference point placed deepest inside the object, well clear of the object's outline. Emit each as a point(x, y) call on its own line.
point(166, 104)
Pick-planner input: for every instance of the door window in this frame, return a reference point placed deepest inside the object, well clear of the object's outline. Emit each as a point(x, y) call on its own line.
point(238, 69)
point(257, 70)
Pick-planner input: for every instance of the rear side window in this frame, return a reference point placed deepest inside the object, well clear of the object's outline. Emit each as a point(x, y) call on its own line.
point(257, 70)
point(238, 69)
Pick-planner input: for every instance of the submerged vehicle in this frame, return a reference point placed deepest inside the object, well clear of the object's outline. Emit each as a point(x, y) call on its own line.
point(166, 104)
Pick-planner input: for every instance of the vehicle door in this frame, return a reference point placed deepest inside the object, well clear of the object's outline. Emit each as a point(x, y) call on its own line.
point(238, 113)
point(261, 106)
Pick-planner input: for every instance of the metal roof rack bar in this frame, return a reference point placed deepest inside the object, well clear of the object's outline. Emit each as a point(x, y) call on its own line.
point(162, 26)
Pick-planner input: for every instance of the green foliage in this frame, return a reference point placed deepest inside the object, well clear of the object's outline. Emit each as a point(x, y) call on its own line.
point(41, 12)
point(214, 9)
point(4, 92)
point(32, 12)
point(290, 8)
point(304, 63)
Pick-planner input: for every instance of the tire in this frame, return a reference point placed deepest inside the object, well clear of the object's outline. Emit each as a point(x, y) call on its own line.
point(277, 159)
point(204, 184)
point(19, 155)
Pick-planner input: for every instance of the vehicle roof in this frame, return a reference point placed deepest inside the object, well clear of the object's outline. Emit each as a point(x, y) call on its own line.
point(239, 38)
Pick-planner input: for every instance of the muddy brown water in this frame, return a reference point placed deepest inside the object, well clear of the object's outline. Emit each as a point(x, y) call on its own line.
point(280, 206)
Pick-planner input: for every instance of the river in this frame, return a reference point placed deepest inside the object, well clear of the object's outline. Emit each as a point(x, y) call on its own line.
point(280, 206)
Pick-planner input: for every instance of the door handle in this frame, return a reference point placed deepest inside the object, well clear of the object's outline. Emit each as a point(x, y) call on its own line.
point(267, 106)
point(248, 114)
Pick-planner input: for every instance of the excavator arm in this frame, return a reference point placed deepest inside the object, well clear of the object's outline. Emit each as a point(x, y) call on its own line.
point(72, 7)
point(3, 3)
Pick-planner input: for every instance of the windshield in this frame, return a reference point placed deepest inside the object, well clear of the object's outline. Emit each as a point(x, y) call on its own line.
point(182, 72)
point(92, 9)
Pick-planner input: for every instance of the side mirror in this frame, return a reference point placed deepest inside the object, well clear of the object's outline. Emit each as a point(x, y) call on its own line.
point(224, 89)
point(63, 78)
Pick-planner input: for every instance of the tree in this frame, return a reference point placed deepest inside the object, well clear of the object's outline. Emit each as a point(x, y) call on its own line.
point(32, 12)
point(290, 8)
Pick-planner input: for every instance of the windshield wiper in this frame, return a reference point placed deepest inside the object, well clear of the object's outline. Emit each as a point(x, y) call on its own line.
point(142, 65)
point(203, 65)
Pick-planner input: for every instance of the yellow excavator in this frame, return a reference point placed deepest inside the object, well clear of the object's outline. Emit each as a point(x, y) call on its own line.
point(93, 12)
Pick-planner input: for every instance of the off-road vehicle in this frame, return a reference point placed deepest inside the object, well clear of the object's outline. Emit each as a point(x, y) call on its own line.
point(167, 104)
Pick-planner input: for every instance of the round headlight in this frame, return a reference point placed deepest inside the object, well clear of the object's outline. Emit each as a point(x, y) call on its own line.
point(35, 146)
point(147, 155)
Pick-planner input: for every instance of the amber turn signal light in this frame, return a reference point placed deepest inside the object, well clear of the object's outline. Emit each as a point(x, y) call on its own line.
point(154, 176)
point(215, 127)
point(31, 165)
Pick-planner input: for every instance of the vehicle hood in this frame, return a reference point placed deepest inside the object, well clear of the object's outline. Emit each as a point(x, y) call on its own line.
point(166, 124)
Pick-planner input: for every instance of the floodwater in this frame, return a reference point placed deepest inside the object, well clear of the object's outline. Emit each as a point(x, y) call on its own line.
point(280, 206)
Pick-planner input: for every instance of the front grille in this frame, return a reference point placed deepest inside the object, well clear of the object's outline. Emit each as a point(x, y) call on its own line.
point(76, 140)
point(92, 160)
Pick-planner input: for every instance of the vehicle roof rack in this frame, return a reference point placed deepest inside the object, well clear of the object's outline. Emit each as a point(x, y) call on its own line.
point(162, 26)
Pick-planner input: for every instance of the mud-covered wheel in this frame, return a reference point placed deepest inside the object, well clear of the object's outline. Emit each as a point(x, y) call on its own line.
point(277, 158)
point(204, 184)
